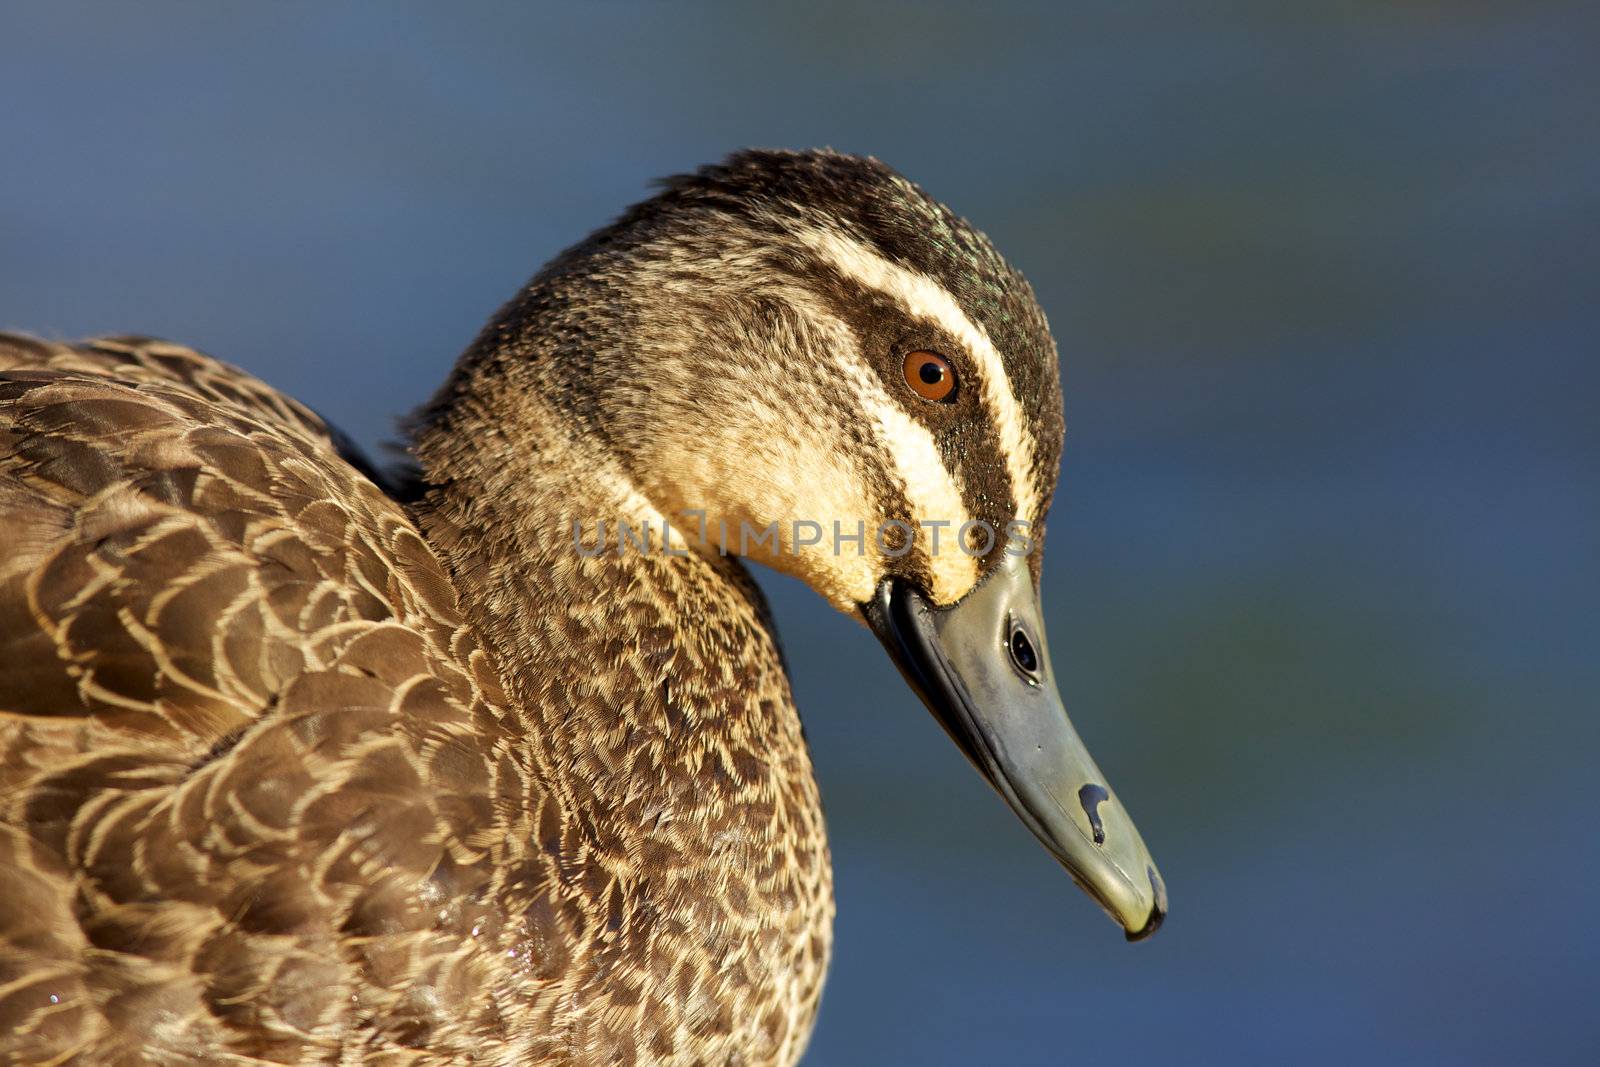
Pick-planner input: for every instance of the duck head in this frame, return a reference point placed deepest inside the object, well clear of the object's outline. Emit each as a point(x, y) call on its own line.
point(803, 359)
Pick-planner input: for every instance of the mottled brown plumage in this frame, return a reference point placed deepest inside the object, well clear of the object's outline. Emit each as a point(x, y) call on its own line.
point(260, 743)
point(294, 769)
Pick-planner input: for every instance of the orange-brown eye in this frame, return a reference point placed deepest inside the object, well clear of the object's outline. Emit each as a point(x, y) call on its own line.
point(930, 375)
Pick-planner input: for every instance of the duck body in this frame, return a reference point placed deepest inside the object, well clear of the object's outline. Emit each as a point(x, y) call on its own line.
point(300, 814)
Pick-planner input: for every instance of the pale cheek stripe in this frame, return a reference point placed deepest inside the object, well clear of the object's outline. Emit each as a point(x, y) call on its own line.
point(930, 488)
point(934, 495)
point(926, 299)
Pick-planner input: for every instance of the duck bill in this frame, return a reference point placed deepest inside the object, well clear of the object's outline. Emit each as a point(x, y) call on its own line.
point(1000, 705)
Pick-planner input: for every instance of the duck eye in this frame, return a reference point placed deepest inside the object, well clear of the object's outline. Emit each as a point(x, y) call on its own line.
point(930, 376)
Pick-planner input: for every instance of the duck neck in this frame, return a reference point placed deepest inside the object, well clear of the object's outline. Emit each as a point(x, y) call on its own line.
point(653, 703)
point(527, 507)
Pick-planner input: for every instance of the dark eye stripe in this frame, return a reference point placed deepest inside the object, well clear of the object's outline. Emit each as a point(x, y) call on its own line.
point(969, 446)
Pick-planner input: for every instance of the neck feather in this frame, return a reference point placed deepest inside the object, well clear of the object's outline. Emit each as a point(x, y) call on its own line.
point(655, 715)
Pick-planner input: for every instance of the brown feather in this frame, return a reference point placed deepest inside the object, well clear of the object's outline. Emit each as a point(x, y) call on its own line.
point(263, 796)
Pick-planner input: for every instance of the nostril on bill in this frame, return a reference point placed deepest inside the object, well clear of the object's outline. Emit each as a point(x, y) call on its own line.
point(1091, 797)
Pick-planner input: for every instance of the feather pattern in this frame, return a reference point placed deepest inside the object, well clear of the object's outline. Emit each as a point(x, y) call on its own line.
point(264, 799)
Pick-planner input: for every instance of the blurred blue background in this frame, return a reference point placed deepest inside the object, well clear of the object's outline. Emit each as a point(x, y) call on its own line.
point(1323, 570)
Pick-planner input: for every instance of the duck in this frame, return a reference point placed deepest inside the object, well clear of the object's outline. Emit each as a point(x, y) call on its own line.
point(491, 756)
